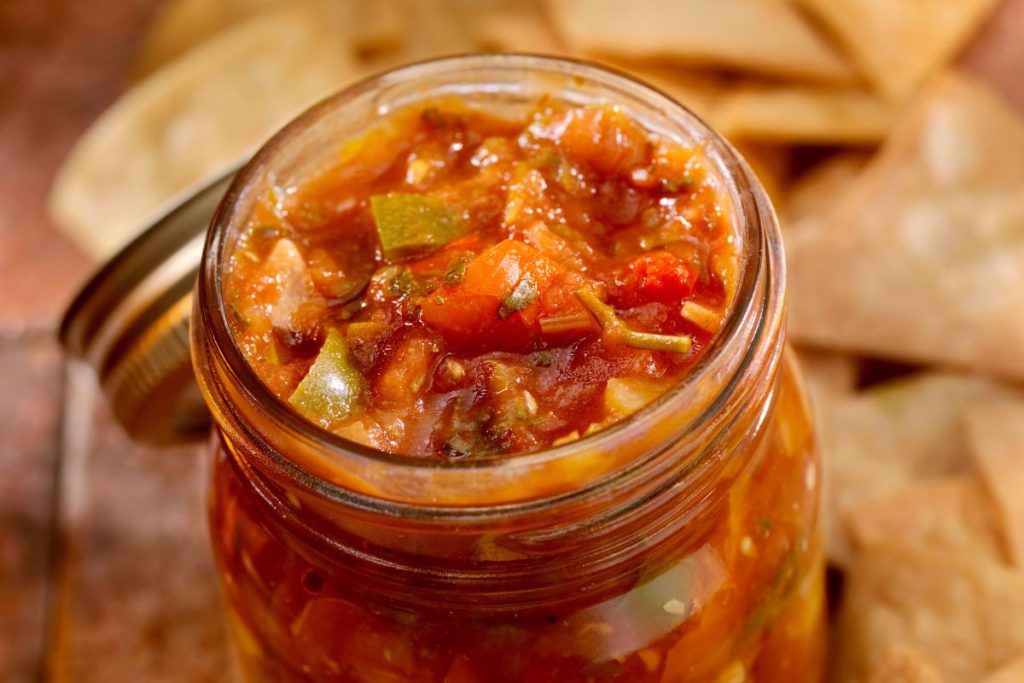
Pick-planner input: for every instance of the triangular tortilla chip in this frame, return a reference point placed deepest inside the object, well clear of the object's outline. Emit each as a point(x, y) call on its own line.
point(518, 27)
point(192, 119)
point(827, 374)
point(760, 36)
point(904, 664)
point(804, 114)
point(996, 437)
point(698, 91)
point(964, 613)
point(815, 194)
point(924, 261)
point(181, 25)
point(876, 442)
point(770, 163)
point(1012, 672)
point(951, 514)
point(899, 43)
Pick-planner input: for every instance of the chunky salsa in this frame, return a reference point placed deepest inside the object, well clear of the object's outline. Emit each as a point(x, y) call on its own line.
point(457, 285)
point(462, 285)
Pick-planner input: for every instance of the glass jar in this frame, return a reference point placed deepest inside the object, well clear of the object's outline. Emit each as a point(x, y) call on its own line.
point(680, 544)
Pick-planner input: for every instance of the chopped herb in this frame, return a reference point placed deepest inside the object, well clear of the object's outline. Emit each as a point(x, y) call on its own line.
point(524, 294)
point(463, 445)
point(543, 359)
point(433, 117)
point(402, 283)
point(457, 271)
point(676, 185)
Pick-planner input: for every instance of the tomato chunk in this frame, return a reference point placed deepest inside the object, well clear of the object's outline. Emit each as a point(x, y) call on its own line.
point(501, 299)
point(658, 276)
point(606, 138)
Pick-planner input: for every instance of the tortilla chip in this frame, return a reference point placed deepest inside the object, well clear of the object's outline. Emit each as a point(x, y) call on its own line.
point(804, 114)
point(897, 45)
point(996, 437)
point(816, 194)
point(770, 163)
point(924, 260)
point(761, 36)
point(1012, 672)
point(181, 25)
point(952, 514)
point(698, 91)
point(1000, 611)
point(184, 24)
point(877, 441)
point(440, 28)
point(966, 614)
point(900, 596)
point(904, 664)
point(827, 374)
point(193, 119)
point(521, 28)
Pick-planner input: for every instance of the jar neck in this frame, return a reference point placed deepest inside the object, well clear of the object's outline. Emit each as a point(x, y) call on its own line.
point(680, 444)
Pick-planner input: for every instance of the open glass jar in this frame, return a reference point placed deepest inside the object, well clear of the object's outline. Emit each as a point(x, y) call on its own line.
point(680, 544)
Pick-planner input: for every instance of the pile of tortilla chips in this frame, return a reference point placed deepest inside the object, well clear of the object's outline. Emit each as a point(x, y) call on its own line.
point(900, 186)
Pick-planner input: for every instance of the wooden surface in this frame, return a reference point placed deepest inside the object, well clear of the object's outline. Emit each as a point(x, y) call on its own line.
point(104, 571)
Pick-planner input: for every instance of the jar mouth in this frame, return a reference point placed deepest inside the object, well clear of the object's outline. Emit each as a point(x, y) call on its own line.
point(752, 324)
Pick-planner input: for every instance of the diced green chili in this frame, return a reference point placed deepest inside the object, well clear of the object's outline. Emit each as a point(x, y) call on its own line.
point(524, 294)
point(577, 321)
point(332, 387)
point(612, 324)
point(408, 222)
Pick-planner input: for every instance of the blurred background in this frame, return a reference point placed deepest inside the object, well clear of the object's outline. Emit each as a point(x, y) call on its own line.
point(111, 109)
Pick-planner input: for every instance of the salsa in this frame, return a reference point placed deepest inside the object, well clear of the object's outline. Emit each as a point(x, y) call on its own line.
point(462, 285)
point(464, 280)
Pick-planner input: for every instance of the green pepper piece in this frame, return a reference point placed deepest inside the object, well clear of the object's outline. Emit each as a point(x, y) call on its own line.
point(332, 387)
point(411, 221)
point(524, 294)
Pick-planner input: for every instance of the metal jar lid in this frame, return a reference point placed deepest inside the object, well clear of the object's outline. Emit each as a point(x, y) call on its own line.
point(130, 323)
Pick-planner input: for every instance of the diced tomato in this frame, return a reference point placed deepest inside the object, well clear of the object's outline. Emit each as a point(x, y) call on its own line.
point(606, 138)
point(658, 277)
point(441, 260)
point(476, 311)
point(462, 671)
point(406, 371)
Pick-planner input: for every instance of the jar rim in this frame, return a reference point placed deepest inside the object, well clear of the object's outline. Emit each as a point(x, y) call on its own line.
point(755, 312)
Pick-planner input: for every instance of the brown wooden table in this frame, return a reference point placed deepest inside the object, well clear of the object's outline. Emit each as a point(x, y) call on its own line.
point(104, 571)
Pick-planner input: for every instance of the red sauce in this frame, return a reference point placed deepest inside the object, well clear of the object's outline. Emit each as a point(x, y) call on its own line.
point(477, 286)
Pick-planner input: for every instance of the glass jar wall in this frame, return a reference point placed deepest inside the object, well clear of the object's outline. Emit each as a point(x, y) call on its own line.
point(678, 545)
